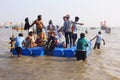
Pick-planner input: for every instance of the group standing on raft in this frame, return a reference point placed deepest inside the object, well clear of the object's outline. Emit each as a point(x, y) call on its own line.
point(51, 38)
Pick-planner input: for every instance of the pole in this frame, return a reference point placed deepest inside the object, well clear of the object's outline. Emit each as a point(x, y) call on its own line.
point(21, 27)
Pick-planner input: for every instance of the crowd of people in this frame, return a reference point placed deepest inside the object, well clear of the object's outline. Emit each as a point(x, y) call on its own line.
point(51, 38)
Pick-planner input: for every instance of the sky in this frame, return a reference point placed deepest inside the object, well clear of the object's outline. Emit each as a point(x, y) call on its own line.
point(91, 12)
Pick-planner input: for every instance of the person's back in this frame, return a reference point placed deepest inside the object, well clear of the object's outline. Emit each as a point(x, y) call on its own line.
point(81, 44)
point(30, 41)
point(81, 47)
point(98, 40)
point(67, 26)
point(19, 41)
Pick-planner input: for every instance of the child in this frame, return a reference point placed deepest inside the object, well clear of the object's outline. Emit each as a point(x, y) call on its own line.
point(98, 40)
point(81, 47)
point(12, 43)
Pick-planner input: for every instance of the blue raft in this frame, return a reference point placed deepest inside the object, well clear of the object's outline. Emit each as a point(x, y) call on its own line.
point(70, 52)
point(36, 51)
point(57, 52)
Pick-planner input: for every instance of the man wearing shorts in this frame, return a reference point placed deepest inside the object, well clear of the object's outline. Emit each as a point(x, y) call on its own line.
point(19, 41)
point(39, 24)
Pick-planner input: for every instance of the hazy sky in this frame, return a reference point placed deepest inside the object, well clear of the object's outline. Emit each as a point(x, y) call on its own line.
point(91, 12)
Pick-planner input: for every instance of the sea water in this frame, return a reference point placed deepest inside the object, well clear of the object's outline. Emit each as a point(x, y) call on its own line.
point(103, 64)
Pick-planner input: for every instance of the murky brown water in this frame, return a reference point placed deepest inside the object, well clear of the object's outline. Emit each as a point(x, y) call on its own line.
point(103, 64)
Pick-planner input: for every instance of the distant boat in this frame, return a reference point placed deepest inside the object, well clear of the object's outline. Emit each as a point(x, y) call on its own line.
point(108, 30)
point(17, 28)
point(93, 28)
point(6, 27)
point(103, 27)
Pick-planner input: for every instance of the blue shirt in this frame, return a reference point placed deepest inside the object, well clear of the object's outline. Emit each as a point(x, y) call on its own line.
point(19, 41)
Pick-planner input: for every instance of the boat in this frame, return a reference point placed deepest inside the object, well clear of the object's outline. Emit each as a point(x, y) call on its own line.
point(93, 28)
point(57, 52)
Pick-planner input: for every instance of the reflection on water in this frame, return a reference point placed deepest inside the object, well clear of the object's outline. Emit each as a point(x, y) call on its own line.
point(102, 64)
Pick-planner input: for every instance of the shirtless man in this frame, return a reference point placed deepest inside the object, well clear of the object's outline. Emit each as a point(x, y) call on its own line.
point(30, 41)
point(39, 24)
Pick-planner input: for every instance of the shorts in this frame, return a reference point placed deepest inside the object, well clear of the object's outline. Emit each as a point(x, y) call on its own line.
point(18, 49)
point(97, 45)
point(39, 31)
point(81, 55)
point(74, 36)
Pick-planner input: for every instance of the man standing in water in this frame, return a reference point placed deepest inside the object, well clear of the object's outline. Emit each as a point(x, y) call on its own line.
point(39, 24)
point(82, 43)
point(19, 41)
point(98, 40)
